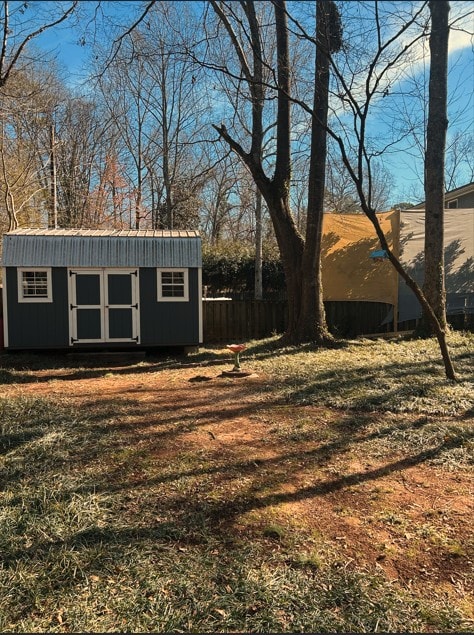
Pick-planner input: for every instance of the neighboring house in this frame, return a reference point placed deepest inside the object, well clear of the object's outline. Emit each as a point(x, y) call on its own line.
point(461, 197)
point(458, 260)
point(74, 289)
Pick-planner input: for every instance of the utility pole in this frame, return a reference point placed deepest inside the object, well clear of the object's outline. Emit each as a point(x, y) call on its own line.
point(53, 221)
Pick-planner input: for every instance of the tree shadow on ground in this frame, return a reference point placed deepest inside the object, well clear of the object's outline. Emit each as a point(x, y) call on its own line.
point(128, 481)
point(215, 517)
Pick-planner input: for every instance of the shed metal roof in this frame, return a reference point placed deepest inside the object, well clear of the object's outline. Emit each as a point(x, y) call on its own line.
point(101, 248)
point(147, 233)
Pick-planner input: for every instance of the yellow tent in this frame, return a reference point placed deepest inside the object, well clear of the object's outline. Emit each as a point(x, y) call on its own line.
point(350, 274)
point(348, 271)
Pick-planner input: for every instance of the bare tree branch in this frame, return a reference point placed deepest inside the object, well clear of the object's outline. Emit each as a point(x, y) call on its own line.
point(6, 72)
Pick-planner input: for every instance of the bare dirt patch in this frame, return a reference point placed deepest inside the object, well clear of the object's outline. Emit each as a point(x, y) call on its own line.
point(307, 471)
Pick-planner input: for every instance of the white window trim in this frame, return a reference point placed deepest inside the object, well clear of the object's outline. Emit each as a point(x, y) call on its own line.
point(28, 299)
point(185, 297)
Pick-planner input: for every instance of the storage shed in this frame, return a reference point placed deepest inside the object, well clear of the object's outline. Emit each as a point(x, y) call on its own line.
point(101, 289)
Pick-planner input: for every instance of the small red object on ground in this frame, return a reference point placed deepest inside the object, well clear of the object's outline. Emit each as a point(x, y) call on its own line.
point(236, 348)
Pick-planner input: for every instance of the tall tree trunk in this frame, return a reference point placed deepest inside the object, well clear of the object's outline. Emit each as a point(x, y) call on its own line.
point(276, 191)
point(166, 145)
point(291, 247)
point(434, 280)
point(258, 246)
point(312, 321)
point(356, 172)
point(8, 195)
point(438, 330)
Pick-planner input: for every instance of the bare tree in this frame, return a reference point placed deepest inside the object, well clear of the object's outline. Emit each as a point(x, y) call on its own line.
point(21, 25)
point(358, 91)
point(300, 258)
point(433, 286)
point(328, 40)
point(125, 96)
point(155, 99)
point(26, 106)
point(19, 184)
point(82, 146)
point(459, 162)
point(410, 109)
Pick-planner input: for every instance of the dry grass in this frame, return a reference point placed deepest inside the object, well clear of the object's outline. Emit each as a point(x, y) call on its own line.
point(329, 494)
point(400, 375)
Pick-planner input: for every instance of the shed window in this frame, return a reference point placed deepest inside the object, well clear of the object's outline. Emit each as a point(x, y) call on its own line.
point(34, 285)
point(453, 204)
point(173, 285)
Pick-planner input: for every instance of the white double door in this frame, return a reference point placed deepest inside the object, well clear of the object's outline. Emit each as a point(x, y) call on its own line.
point(103, 306)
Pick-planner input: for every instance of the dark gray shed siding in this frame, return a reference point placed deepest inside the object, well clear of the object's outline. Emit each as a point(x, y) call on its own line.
point(46, 325)
point(42, 324)
point(168, 323)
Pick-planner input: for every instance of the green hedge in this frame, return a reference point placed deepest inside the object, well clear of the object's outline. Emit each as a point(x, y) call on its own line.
point(233, 275)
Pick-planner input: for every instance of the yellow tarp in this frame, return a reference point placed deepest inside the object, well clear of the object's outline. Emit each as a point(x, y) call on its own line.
point(348, 271)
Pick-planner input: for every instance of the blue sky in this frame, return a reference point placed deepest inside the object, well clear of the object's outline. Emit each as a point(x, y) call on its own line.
point(63, 41)
point(409, 173)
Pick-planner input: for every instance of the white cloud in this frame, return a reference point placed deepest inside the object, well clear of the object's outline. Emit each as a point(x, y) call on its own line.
point(462, 31)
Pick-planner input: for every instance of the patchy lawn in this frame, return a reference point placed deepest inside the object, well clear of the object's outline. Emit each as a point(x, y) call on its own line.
point(327, 491)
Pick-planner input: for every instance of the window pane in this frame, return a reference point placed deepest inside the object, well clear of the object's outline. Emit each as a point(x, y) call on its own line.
point(173, 284)
point(178, 277)
point(35, 284)
point(170, 291)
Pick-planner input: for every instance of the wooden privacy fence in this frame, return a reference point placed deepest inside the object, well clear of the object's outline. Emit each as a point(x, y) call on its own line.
point(237, 320)
point(234, 320)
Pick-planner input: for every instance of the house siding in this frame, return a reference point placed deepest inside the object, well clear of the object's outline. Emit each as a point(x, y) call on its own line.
point(464, 201)
point(168, 323)
point(40, 324)
point(46, 325)
point(464, 196)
